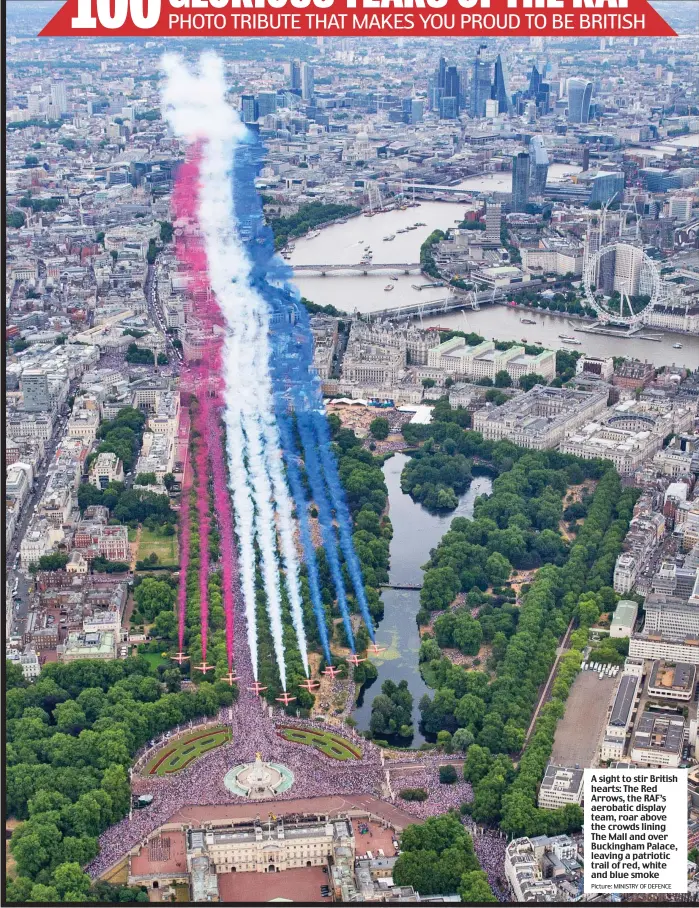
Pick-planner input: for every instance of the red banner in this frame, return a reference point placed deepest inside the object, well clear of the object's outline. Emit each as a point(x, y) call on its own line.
point(370, 18)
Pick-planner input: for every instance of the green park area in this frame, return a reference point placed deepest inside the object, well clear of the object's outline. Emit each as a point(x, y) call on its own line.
point(178, 754)
point(156, 542)
point(326, 742)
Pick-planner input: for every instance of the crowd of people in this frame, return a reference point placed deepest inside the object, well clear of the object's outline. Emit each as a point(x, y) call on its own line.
point(440, 798)
point(254, 727)
point(490, 849)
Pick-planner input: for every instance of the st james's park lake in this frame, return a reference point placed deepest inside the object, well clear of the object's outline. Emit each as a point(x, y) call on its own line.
point(415, 532)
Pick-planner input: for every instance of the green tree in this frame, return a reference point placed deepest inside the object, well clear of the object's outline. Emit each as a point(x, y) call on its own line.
point(475, 888)
point(477, 763)
point(71, 882)
point(503, 379)
point(447, 774)
point(379, 428)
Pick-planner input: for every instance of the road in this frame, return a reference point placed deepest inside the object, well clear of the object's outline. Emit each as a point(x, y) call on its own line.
point(21, 601)
point(565, 645)
point(155, 314)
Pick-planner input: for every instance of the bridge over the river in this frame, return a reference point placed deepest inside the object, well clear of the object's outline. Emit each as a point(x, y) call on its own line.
point(323, 270)
point(449, 303)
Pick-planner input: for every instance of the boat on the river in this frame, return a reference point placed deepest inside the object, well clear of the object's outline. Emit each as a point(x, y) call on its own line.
point(567, 339)
point(527, 321)
point(677, 346)
point(389, 287)
point(387, 239)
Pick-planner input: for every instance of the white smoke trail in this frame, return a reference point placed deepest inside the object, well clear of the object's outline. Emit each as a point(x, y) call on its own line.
point(286, 535)
point(187, 103)
point(196, 107)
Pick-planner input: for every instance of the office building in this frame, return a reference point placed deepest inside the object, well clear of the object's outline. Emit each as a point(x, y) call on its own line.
point(595, 366)
point(448, 108)
point(541, 418)
point(579, 97)
point(652, 646)
point(680, 207)
point(624, 619)
point(606, 187)
point(481, 84)
point(452, 86)
point(520, 181)
point(266, 103)
point(658, 740)
point(525, 876)
point(59, 97)
point(623, 705)
point(307, 86)
point(672, 681)
point(539, 166)
point(560, 786)
point(493, 221)
point(670, 617)
point(248, 108)
point(483, 360)
point(295, 76)
point(106, 468)
point(500, 93)
point(36, 397)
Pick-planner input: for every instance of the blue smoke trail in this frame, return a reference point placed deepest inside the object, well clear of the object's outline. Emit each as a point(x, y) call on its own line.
point(292, 377)
point(296, 486)
point(344, 521)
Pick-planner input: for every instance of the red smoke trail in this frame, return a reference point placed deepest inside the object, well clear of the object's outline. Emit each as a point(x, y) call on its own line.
point(184, 549)
point(205, 381)
point(202, 419)
point(222, 505)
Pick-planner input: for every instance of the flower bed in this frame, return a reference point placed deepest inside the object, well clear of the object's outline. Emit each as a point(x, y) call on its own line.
point(333, 746)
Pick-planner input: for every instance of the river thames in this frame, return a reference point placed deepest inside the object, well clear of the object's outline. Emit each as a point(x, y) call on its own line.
point(344, 244)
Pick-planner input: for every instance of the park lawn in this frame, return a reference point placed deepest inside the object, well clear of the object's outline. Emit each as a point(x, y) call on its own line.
point(175, 755)
point(155, 659)
point(326, 742)
point(165, 547)
point(133, 533)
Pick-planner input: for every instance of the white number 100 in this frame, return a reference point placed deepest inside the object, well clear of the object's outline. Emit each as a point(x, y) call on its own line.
point(85, 19)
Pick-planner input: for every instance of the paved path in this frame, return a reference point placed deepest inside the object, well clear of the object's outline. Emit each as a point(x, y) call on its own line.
point(565, 643)
point(333, 805)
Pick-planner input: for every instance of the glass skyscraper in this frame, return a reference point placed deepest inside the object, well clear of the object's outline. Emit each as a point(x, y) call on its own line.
point(539, 165)
point(579, 97)
point(520, 181)
point(481, 85)
point(500, 93)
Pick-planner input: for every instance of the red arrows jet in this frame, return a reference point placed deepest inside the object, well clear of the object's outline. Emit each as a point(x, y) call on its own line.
point(331, 671)
point(310, 685)
point(354, 659)
point(180, 657)
point(230, 678)
point(204, 667)
point(285, 699)
point(376, 649)
point(257, 688)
